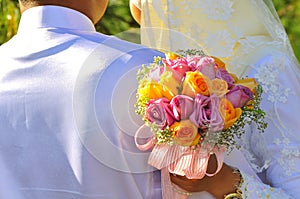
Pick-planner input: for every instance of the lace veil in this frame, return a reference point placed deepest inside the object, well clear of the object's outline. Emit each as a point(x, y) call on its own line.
point(249, 37)
point(273, 25)
point(164, 19)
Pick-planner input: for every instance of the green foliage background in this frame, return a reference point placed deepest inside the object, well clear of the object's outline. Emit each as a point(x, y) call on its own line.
point(9, 18)
point(117, 19)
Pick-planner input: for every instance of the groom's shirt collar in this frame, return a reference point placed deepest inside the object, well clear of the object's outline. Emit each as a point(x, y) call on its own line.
point(54, 17)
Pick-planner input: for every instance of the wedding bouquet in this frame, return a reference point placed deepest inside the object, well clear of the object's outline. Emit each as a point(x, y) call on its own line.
point(194, 108)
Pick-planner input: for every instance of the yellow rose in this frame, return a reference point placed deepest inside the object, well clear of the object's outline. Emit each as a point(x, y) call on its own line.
point(170, 82)
point(195, 82)
point(154, 90)
point(219, 87)
point(185, 133)
point(171, 56)
point(248, 82)
point(229, 114)
point(196, 140)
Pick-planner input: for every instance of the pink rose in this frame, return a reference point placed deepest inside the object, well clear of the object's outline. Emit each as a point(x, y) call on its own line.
point(155, 73)
point(185, 133)
point(239, 96)
point(206, 114)
point(193, 61)
point(182, 106)
point(160, 113)
point(207, 66)
point(180, 65)
point(223, 74)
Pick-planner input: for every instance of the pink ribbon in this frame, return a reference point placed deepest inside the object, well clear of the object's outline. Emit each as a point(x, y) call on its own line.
point(170, 190)
point(149, 144)
point(192, 166)
point(219, 153)
point(180, 160)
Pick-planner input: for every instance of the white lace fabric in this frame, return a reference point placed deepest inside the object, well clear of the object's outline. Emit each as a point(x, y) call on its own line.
point(253, 188)
point(248, 36)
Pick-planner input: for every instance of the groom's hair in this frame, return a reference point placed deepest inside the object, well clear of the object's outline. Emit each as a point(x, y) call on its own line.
point(35, 2)
point(28, 2)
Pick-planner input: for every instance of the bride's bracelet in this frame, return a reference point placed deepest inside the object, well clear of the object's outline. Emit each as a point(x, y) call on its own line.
point(181, 192)
point(238, 193)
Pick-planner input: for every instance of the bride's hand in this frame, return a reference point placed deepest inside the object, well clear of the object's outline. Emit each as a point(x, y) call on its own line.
point(219, 185)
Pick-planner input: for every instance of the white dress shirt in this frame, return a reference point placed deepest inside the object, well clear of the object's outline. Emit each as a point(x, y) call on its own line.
point(65, 129)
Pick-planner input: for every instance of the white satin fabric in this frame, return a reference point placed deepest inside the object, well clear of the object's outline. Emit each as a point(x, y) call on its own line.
point(66, 112)
point(248, 37)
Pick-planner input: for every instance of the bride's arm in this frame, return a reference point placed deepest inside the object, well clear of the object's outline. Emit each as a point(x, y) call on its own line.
point(224, 182)
point(135, 10)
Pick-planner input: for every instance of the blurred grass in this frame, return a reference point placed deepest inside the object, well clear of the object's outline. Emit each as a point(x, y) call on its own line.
point(118, 19)
point(289, 13)
point(9, 19)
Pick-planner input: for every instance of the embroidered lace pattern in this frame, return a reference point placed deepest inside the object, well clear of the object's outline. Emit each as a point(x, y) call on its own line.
point(251, 188)
point(267, 57)
point(217, 10)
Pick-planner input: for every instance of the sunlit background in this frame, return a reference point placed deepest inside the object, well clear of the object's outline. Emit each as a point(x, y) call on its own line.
point(117, 19)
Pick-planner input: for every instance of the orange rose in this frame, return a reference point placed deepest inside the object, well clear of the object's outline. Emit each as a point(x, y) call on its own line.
point(154, 90)
point(249, 105)
point(229, 114)
point(185, 133)
point(195, 82)
point(219, 87)
point(248, 82)
point(219, 63)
